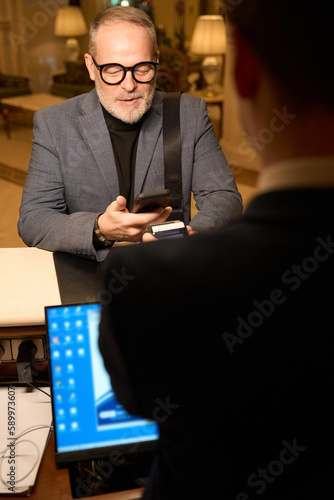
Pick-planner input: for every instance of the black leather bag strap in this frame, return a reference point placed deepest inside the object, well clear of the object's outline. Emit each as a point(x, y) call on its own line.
point(172, 152)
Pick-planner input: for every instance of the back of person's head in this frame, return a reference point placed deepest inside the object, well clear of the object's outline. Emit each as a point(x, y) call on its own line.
point(293, 39)
point(119, 14)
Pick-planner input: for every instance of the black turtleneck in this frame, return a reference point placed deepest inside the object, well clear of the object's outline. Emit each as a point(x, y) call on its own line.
point(124, 139)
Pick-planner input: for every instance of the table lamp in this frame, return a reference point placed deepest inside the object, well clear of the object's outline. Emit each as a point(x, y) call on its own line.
point(70, 23)
point(209, 40)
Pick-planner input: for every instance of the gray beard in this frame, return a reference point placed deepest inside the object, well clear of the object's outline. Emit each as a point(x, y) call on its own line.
point(131, 117)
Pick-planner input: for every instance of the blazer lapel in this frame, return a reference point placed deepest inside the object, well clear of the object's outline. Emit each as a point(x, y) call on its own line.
point(148, 138)
point(97, 137)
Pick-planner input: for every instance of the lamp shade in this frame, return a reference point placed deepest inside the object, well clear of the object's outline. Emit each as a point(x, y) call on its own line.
point(70, 22)
point(209, 36)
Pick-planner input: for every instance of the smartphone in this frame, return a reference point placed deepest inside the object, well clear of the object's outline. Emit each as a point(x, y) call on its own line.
point(149, 200)
point(170, 229)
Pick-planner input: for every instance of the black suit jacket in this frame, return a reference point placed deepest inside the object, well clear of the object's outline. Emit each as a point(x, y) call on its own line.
point(227, 341)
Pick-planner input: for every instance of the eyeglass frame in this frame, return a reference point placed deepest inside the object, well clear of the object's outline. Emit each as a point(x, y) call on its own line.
point(100, 68)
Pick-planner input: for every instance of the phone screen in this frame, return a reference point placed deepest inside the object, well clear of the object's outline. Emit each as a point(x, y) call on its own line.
point(149, 200)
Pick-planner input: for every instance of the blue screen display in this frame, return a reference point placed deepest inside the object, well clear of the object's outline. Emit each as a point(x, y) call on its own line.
point(86, 413)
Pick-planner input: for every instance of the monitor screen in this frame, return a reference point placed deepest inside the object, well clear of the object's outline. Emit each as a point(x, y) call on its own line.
point(88, 420)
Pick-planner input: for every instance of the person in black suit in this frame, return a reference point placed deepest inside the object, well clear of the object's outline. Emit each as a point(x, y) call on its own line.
point(227, 340)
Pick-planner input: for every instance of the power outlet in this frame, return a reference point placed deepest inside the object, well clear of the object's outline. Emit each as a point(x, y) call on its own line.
point(7, 355)
point(38, 341)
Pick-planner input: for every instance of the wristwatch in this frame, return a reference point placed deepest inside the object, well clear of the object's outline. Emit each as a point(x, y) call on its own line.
point(98, 236)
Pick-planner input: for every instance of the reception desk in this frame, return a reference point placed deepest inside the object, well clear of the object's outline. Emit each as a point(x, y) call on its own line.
point(28, 283)
point(31, 279)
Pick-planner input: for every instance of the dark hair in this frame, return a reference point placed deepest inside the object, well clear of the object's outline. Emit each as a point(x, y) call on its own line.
point(121, 14)
point(294, 41)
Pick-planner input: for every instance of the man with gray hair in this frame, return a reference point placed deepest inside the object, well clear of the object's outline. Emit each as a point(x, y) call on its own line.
point(94, 153)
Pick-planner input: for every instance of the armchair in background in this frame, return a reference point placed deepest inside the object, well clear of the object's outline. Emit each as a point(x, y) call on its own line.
point(13, 85)
point(72, 82)
point(173, 70)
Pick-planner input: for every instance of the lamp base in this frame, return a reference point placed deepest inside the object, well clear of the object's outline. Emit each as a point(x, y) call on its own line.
point(211, 69)
point(72, 50)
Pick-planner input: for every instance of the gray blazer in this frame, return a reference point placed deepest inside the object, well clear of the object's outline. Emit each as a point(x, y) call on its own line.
point(72, 174)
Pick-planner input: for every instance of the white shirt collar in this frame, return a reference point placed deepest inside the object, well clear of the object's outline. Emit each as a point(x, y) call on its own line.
point(298, 173)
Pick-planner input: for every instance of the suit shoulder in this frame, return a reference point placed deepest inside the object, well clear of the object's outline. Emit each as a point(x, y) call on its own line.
point(70, 107)
point(189, 98)
point(192, 105)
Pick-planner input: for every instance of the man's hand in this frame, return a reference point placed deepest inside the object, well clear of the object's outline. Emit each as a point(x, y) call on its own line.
point(149, 237)
point(118, 224)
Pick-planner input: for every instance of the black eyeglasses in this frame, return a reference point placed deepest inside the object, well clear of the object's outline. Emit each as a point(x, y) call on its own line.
point(112, 74)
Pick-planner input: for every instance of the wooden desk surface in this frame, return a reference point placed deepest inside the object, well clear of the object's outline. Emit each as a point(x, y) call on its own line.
point(28, 282)
point(32, 102)
point(54, 484)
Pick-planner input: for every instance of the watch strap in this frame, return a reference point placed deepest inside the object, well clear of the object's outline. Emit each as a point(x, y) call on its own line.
point(98, 236)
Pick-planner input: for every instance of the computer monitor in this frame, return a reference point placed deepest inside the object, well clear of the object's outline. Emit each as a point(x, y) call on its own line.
point(89, 422)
